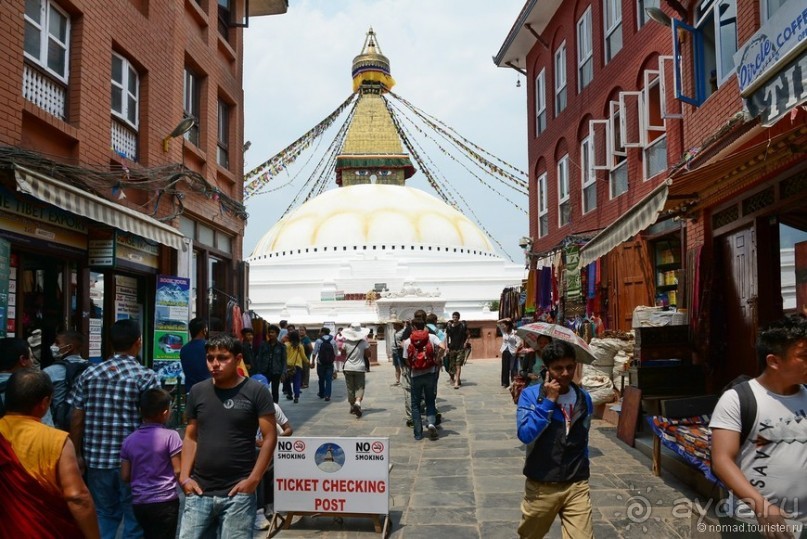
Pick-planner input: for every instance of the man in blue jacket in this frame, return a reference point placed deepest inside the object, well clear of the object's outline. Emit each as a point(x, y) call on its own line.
point(553, 420)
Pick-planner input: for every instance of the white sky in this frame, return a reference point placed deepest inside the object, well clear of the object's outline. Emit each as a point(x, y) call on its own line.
point(297, 71)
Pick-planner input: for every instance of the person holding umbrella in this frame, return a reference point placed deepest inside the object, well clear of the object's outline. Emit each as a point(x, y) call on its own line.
point(553, 419)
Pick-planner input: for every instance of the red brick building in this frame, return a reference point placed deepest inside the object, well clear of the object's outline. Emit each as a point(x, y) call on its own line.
point(652, 150)
point(121, 137)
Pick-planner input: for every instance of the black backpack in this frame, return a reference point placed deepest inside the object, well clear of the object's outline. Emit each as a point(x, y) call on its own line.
point(326, 356)
point(748, 404)
point(61, 410)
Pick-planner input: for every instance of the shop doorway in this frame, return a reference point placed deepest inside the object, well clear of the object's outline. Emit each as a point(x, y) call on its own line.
point(47, 301)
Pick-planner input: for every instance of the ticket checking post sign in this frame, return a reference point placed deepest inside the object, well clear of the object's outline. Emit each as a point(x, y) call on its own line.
point(332, 476)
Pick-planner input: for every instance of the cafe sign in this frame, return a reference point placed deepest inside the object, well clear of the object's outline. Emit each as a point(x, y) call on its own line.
point(775, 43)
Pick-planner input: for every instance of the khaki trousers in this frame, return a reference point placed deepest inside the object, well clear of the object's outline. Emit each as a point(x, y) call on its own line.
point(544, 501)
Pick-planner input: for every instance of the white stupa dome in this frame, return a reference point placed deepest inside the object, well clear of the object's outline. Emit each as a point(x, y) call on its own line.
point(373, 214)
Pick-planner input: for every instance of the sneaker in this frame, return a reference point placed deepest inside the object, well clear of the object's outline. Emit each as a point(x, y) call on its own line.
point(353, 409)
point(327, 399)
point(410, 423)
point(432, 432)
point(358, 410)
point(296, 400)
point(438, 419)
point(320, 395)
point(418, 436)
point(261, 522)
point(289, 397)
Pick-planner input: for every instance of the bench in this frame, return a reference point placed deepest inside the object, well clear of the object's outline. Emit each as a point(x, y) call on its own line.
point(683, 427)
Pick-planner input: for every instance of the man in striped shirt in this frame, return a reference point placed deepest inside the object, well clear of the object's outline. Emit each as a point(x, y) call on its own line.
point(106, 400)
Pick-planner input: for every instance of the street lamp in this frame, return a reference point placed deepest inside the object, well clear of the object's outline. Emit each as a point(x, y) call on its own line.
point(182, 127)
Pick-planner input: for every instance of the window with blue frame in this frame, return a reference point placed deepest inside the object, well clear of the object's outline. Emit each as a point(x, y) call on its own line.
point(706, 56)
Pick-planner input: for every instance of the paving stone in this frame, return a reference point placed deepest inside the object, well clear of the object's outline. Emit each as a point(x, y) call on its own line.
point(469, 483)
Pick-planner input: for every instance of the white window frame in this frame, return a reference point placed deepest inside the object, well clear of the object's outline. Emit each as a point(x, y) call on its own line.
point(540, 102)
point(585, 49)
point(45, 38)
point(600, 129)
point(192, 103)
point(127, 69)
point(611, 13)
point(618, 154)
point(714, 8)
point(564, 196)
point(641, 120)
point(665, 88)
point(560, 81)
point(646, 160)
point(543, 205)
point(588, 178)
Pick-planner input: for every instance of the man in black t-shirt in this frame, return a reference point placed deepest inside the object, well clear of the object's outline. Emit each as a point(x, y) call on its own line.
point(457, 337)
point(220, 471)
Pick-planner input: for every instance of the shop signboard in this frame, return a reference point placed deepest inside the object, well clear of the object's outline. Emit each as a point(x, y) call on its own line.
point(776, 42)
point(5, 274)
point(332, 475)
point(31, 222)
point(172, 309)
point(101, 248)
point(781, 93)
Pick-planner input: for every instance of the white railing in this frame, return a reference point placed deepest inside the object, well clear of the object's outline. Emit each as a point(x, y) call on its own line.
point(44, 92)
point(124, 140)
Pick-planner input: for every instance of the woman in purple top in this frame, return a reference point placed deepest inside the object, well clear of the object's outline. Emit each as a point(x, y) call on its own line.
point(150, 462)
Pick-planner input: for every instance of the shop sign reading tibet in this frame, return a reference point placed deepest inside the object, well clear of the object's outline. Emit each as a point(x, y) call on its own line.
point(332, 475)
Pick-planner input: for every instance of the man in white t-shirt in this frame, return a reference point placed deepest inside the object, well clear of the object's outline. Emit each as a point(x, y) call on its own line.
point(427, 345)
point(767, 473)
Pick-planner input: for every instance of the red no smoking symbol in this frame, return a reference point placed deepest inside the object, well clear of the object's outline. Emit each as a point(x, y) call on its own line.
point(378, 447)
point(299, 446)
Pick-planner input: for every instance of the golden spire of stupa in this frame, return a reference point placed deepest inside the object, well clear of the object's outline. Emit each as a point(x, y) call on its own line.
point(372, 152)
point(371, 65)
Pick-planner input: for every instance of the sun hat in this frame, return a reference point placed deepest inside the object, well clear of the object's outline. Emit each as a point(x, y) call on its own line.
point(355, 332)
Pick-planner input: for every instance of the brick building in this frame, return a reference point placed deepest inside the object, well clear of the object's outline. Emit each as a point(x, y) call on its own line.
point(121, 158)
point(681, 174)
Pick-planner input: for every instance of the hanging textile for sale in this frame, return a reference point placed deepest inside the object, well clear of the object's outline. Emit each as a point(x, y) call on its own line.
point(573, 285)
point(238, 322)
point(532, 283)
point(545, 288)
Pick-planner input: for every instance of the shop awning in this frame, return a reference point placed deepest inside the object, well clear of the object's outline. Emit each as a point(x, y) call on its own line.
point(643, 214)
point(93, 207)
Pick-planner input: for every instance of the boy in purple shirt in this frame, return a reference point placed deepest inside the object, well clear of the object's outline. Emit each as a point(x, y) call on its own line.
point(150, 460)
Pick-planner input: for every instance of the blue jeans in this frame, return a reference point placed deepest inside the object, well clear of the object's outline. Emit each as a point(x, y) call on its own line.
point(231, 517)
point(325, 375)
point(423, 385)
point(113, 503)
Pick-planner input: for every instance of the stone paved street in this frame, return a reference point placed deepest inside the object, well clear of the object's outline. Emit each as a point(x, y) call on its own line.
point(468, 484)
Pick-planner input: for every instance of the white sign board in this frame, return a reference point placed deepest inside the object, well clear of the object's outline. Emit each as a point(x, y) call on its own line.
point(332, 475)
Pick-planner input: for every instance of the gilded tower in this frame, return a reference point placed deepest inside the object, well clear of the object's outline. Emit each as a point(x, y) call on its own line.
point(372, 152)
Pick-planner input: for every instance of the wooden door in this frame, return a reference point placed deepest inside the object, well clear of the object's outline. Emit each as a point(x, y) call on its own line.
point(739, 293)
point(630, 282)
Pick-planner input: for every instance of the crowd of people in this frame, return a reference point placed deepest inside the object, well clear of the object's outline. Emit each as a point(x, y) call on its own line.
point(84, 448)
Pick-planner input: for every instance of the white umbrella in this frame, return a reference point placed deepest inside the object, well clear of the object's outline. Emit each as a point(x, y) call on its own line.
point(531, 332)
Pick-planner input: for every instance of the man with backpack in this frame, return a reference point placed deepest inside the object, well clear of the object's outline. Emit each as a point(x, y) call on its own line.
point(421, 356)
point(325, 355)
point(66, 367)
point(759, 432)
